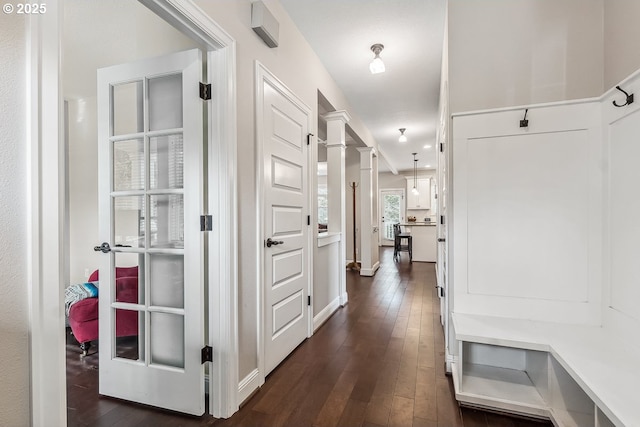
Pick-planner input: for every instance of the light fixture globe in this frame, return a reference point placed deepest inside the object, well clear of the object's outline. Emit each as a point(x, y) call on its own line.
point(377, 66)
point(403, 137)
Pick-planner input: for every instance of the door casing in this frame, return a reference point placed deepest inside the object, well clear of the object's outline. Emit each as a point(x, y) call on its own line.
point(46, 192)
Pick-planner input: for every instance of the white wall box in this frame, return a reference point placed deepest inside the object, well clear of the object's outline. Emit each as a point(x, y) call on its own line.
point(545, 269)
point(422, 200)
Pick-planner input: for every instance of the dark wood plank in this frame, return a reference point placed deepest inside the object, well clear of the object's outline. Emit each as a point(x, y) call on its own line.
point(379, 361)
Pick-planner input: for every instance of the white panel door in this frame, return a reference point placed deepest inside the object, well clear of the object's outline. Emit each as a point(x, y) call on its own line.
point(286, 206)
point(150, 136)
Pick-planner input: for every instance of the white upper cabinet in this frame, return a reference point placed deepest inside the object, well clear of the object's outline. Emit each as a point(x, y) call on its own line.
point(422, 200)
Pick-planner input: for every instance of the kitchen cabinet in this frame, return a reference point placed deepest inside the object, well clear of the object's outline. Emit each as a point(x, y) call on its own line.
point(424, 239)
point(422, 200)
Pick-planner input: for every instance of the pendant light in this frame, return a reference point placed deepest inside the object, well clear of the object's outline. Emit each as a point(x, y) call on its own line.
point(403, 137)
point(376, 66)
point(415, 174)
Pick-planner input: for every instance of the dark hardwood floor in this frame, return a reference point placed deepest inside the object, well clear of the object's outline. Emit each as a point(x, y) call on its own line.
point(379, 361)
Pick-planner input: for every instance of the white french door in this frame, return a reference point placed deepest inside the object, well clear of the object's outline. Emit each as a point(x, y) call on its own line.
point(391, 212)
point(150, 136)
point(284, 133)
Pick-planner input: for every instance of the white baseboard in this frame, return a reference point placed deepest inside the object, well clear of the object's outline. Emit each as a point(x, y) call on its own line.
point(248, 385)
point(325, 313)
point(344, 299)
point(370, 271)
point(449, 361)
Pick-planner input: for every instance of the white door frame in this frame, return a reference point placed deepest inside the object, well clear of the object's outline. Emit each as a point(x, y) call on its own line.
point(46, 195)
point(262, 75)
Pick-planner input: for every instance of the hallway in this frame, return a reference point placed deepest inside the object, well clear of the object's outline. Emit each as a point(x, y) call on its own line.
point(379, 361)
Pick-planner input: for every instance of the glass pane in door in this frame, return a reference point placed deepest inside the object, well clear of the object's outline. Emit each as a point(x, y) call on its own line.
point(165, 102)
point(127, 108)
point(166, 280)
point(391, 213)
point(128, 165)
point(129, 335)
point(166, 161)
point(167, 339)
point(128, 221)
point(167, 221)
point(129, 277)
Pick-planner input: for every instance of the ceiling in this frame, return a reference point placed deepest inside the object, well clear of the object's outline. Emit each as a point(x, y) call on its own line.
point(405, 96)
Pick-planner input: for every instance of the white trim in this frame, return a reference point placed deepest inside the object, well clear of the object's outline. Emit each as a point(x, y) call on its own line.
point(325, 313)
point(523, 107)
point(249, 385)
point(328, 238)
point(222, 261)
point(46, 229)
point(370, 271)
point(261, 75)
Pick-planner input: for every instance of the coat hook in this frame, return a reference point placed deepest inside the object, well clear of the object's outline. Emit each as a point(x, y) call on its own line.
point(628, 101)
point(524, 122)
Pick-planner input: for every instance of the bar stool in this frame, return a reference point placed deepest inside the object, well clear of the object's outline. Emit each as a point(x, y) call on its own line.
point(403, 242)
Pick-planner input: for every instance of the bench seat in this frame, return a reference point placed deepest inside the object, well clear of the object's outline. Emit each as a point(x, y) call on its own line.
point(603, 366)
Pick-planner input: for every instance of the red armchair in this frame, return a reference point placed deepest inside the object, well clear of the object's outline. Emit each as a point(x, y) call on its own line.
point(83, 315)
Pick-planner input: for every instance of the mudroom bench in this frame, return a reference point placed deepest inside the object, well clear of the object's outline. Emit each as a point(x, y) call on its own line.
point(573, 375)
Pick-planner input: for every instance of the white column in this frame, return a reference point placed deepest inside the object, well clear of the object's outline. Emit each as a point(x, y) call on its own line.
point(367, 237)
point(336, 154)
point(375, 242)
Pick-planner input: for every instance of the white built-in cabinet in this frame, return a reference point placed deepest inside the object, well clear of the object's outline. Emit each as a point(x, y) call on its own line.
point(422, 200)
point(545, 295)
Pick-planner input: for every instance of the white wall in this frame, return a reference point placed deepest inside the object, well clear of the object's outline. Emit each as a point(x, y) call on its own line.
point(508, 53)
point(621, 31)
point(14, 314)
point(528, 226)
point(326, 277)
point(297, 66)
point(83, 188)
point(99, 34)
point(621, 292)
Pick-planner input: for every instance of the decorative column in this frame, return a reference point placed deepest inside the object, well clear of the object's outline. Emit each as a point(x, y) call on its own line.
point(375, 243)
point(368, 238)
point(336, 189)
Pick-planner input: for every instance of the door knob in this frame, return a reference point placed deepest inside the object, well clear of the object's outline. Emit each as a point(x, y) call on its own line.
point(104, 248)
point(273, 242)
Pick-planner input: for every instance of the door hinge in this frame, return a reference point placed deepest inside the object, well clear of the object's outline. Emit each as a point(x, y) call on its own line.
point(206, 354)
point(205, 91)
point(309, 135)
point(308, 219)
point(441, 147)
point(309, 300)
point(206, 223)
point(442, 219)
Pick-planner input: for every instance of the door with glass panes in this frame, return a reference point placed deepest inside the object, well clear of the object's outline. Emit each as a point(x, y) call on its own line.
point(150, 139)
point(391, 212)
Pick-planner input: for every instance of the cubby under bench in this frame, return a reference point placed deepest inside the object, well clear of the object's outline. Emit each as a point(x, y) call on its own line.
point(573, 375)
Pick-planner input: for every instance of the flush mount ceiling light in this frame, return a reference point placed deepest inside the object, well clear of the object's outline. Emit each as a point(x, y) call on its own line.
point(403, 137)
point(377, 66)
point(427, 146)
